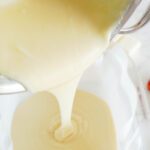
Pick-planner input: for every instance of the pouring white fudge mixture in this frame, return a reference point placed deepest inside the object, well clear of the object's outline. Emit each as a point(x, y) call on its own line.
point(47, 45)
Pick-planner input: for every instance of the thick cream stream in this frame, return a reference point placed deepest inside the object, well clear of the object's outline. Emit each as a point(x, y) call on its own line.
point(65, 96)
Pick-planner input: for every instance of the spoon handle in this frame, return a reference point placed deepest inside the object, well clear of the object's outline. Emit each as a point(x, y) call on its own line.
point(143, 21)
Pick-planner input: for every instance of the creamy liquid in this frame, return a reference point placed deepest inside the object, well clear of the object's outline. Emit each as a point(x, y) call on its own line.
point(36, 120)
point(47, 45)
point(65, 96)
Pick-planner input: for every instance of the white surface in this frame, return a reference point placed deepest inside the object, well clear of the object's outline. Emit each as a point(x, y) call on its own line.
point(142, 60)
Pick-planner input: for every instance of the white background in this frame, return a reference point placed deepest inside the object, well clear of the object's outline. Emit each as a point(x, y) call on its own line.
point(142, 60)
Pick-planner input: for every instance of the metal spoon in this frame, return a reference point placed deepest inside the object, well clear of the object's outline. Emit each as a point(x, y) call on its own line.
point(10, 86)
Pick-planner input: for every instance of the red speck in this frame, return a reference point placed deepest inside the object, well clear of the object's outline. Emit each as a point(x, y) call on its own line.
point(148, 85)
